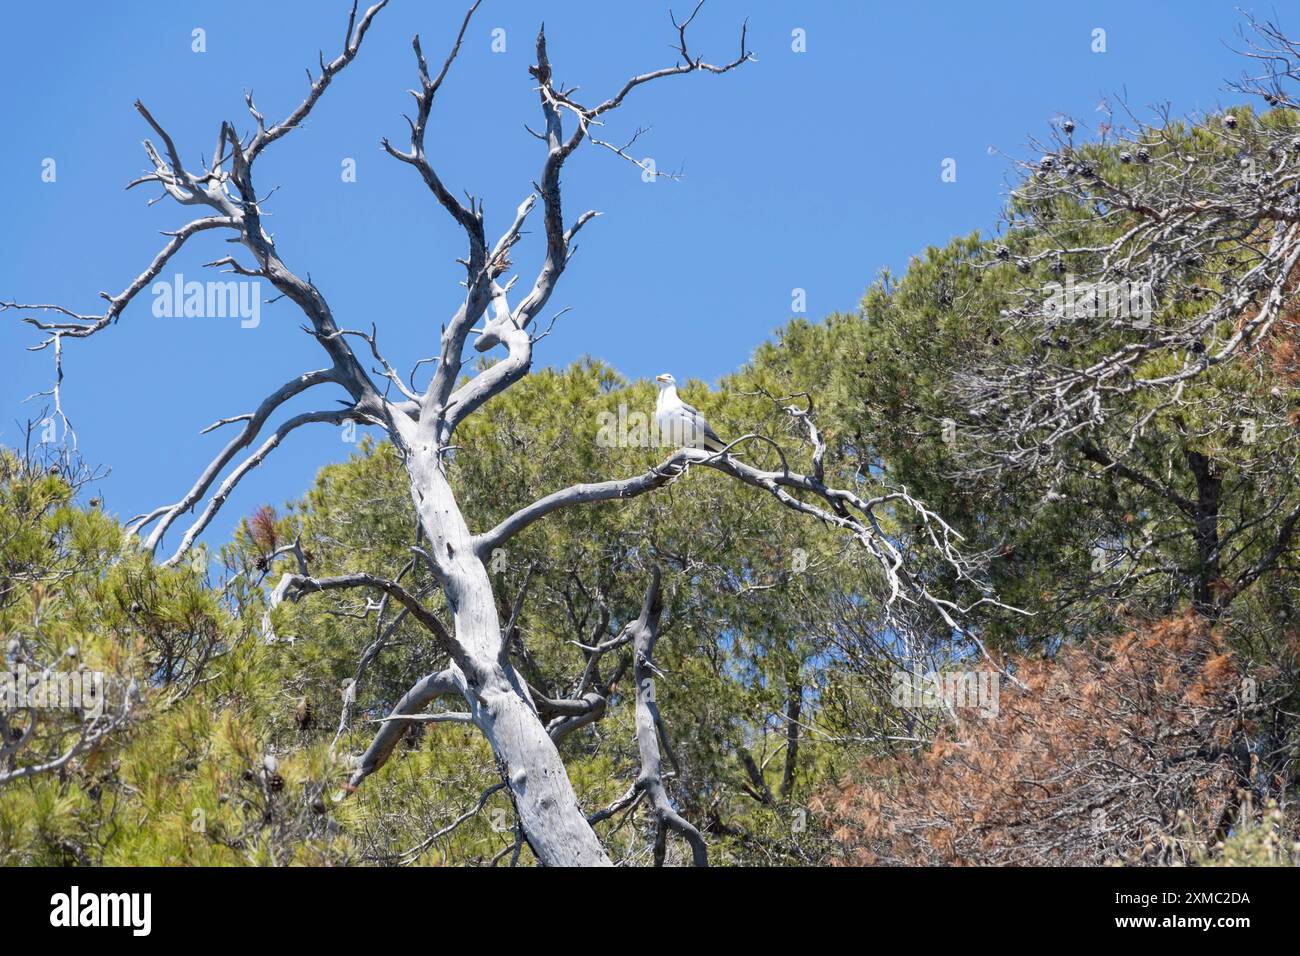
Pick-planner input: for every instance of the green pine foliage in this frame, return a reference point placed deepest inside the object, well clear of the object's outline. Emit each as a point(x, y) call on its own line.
point(238, 739)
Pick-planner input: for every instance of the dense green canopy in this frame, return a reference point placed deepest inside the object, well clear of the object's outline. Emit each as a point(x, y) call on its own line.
point(235, 726)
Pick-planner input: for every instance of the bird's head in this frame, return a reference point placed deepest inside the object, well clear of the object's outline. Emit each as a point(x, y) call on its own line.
point(665, 380)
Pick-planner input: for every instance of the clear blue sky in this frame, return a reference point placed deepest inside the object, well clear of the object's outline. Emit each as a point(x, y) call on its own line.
point(809, 170)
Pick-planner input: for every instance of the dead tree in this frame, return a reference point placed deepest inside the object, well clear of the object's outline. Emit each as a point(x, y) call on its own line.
point(421, 423)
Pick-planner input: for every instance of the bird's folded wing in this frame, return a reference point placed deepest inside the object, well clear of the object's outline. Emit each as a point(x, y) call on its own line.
point(701, 426)
point(711, 440)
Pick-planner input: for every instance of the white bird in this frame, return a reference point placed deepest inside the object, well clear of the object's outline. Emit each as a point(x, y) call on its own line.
point(683, 423)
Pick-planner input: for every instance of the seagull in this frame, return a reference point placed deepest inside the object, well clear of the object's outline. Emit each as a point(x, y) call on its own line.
point(680, 422)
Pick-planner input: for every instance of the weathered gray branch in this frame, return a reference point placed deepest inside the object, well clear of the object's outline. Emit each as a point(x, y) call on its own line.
point(835, 506)
point(649, 729)
point(448, 681)
point(253, 423)
point(294, 586)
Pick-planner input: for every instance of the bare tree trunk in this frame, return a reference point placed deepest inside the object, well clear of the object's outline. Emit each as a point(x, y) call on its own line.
point(793, 711)
point(547, 808)
point(1206, 533)
point(650, 732)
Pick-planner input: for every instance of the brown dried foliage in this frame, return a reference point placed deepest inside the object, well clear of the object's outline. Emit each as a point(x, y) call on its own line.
point(1136, 751)
point(261, 527)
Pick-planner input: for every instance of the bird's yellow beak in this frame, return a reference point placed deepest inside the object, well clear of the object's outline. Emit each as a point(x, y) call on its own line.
point(661, 378)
